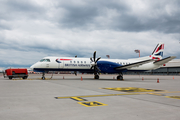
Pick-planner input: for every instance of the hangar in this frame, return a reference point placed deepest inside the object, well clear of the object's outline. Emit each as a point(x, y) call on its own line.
point(170, 68)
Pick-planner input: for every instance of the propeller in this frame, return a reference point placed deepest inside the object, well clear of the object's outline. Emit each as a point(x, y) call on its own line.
point(94, 63)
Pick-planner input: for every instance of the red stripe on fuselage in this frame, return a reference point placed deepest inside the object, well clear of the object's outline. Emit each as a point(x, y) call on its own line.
point(66, 59)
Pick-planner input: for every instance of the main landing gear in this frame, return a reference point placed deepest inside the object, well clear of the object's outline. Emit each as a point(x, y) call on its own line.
point(120, 76)
point(96, 76)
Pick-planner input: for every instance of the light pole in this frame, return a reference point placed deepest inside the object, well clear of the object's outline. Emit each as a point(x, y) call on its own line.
point(137, 51)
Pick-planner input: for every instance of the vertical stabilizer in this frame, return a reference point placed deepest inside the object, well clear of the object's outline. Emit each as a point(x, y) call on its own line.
point(158, 52)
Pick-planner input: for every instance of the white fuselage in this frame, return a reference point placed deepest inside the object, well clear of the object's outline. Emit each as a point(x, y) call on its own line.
point(80, 64)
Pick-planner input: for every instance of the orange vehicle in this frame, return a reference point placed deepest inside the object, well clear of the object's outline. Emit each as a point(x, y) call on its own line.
point(16, 72)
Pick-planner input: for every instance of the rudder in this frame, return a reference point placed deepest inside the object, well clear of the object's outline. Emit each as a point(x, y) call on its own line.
point(158, 52)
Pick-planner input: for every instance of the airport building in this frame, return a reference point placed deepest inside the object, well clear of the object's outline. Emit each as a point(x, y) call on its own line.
point(172, 67)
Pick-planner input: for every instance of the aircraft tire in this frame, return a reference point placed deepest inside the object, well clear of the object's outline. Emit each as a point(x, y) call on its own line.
point(119, 77)
point(96, 76)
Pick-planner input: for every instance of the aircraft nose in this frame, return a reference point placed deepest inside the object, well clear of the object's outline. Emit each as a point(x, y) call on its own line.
point(32, 67)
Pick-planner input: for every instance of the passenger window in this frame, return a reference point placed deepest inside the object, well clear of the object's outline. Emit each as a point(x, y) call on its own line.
point(84, 61)
point(81, 61)
point(70, 61)
point(74, 61)
point(77, 61)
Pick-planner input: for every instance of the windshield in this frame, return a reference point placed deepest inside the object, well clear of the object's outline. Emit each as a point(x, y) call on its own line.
point(44, 60)
point(41, 60)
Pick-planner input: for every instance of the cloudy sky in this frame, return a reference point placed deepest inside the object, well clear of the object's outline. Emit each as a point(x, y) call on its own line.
point(33, 29)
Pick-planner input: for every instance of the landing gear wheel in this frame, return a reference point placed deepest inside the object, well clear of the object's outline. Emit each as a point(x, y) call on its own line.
point(43, 78)
point(119, 77)
point(96, 76)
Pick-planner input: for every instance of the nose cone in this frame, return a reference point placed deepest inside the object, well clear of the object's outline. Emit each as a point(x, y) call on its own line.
point(32, 67)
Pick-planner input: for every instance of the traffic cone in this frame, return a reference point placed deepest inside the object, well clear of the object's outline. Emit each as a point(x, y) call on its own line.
point(113, 78)
point(81, 78)
point(158, 80)
point(63, 77)
point(173, 77)
point(142, 78)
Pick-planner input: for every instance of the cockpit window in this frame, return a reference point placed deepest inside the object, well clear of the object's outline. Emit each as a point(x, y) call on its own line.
point(45, 60)
point(41, 60)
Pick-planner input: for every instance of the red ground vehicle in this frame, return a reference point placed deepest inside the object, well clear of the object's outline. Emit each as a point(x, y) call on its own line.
point(17, 72)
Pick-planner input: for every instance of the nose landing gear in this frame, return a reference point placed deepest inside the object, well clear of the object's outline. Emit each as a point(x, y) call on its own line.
point(43, 76)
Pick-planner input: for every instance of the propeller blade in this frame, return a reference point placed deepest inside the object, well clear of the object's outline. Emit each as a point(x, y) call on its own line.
point(92, 67)
point(94, 56)
point(94, 63)
point(98, 59)
point(91, 59)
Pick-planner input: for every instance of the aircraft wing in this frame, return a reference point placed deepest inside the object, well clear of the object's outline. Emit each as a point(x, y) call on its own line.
point(165, 60)
point(133, 64)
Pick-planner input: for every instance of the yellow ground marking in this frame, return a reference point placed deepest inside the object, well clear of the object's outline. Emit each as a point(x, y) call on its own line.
point(92, 104)
point(97, 95)
point(155, 93)
point(175, 97)
point(132, 89)
point(78, 99)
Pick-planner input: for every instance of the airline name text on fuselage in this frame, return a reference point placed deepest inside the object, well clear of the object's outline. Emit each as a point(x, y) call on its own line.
point(79, 65)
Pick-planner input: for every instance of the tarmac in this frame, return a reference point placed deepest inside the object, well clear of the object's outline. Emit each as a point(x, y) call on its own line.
point(70, 97)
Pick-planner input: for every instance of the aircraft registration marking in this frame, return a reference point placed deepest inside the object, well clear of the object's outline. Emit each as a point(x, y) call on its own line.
point(132, 89)
point(92, 104)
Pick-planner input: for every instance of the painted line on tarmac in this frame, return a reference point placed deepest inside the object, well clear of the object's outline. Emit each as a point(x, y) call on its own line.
point(132, 89)
point(150, 93)
point(92, 104)
point(85, 96)
point(174, 97)
point(78, 99)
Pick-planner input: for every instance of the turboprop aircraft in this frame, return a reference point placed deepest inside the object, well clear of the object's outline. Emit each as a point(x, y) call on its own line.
point(98, 65)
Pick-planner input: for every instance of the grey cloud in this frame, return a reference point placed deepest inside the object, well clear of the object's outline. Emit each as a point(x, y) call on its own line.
point(30, 31)
point(156, 18)
point(18, 9)
point(84, 15)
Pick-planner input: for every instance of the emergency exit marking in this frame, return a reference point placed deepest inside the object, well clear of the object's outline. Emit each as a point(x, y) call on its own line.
point(92, 104)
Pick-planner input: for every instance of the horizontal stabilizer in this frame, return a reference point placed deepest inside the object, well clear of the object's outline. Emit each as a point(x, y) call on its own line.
point(165, 60)
point(133, 64)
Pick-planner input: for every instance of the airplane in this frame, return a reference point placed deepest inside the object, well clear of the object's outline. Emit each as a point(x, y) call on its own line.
point(98, 65)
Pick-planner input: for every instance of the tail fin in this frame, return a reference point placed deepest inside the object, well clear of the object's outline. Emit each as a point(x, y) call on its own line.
point(158, 52)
